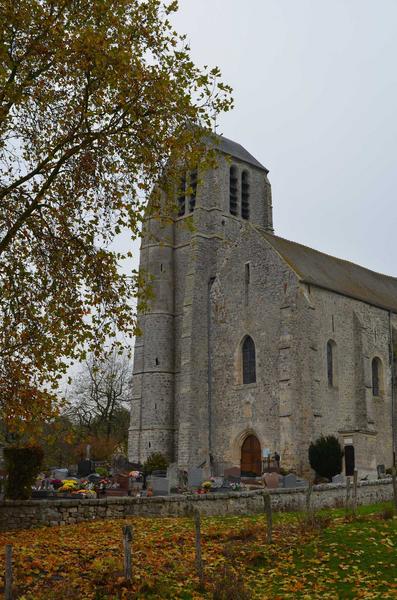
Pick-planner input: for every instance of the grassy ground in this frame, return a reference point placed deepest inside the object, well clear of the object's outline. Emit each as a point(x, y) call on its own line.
point(333, 556)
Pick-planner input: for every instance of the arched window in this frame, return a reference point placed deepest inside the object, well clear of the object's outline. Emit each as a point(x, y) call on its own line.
point(376, 376)
point(331, 363)
point(249, 366)
point(182, 196)
point(193, 190)
point(245, 195)
point(233, 191)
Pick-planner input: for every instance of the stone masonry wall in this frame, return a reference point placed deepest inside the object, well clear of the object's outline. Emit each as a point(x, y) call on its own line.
point(39, 513)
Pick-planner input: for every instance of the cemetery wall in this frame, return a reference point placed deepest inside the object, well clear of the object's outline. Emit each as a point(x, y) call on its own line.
point(36, 513)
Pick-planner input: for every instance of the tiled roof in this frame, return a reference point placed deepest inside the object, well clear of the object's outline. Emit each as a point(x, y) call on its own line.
point(335, 274)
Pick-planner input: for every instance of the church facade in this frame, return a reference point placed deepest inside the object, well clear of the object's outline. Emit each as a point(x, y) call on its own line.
point(255, 344)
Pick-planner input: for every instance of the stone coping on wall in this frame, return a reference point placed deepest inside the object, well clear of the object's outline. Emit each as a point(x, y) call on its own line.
point(27, 514)
point(66, 502)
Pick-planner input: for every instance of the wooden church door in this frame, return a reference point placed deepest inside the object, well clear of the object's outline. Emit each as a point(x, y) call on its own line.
point(251, 458)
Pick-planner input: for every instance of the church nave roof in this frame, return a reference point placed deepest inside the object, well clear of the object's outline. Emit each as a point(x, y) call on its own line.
point(336, 274)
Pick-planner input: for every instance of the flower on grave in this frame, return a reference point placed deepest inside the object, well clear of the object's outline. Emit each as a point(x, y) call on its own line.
point(56, 483)
point(235, 486)
point(68, 485)
point(134, 474)
point(85, 493)
point(206, 485)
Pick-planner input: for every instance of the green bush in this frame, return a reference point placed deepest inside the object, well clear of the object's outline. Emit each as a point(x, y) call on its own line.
point(155, 462)
point(102, 471)
point(325, 456)
point(23, 466)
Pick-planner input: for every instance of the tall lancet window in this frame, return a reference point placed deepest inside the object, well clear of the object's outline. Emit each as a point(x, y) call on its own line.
point(233, 191)
point(249, 361)
point(182, 196)
point(245, 195)
point(193, 190)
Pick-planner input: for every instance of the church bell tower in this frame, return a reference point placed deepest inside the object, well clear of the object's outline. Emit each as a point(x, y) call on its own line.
point(171, 404)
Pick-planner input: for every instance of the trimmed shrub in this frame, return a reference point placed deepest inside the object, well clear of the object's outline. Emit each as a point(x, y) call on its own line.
point(23, 466)
point(155, 462)
point(325, 456)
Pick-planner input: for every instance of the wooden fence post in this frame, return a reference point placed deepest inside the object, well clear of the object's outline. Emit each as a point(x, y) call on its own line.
point(199, 560)
point(309, 499)
point(268, 511)
point(127, 539)
point(355, 481)
point(347, 495)
point(8, 573)
point(393, 474)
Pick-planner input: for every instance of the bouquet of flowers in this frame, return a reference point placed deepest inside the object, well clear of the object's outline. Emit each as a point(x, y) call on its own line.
point(85, 493)
point(56, 483)
point(68, 485)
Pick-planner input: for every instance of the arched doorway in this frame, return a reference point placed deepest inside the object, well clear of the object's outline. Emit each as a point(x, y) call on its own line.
point(251, 458)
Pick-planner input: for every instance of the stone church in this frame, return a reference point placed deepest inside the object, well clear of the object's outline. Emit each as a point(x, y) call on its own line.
point(254, 344)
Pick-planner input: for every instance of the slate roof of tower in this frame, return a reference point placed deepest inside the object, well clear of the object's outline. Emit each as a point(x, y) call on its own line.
point(335, 274)
point(233, 149)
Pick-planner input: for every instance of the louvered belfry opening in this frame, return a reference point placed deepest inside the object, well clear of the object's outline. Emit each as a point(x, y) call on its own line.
point(245, 195)
point(233, 199)
point(193, 190)
point(182, 196)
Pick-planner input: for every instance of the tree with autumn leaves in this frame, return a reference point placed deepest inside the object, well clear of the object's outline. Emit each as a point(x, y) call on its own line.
point(99, 99)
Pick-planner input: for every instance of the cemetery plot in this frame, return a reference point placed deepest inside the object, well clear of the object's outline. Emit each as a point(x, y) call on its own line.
point(329, 556)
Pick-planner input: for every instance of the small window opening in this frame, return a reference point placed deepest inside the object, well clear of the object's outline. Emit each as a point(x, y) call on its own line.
point(161, 267)
point(157, 362)
point(182, 196)
point(249, 361)
point(245, 208)
point(233, 191)
point(193, 192)
point(247, 281)
point(331, 363)
point(333, 324)
point(150, 445)
point(376, 376)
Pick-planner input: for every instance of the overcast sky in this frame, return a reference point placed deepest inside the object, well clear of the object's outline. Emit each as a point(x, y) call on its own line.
point(315, 87)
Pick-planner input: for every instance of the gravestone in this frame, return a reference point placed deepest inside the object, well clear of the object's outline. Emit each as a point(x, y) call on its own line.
point(272, 480)
point(233, 474)
point(60, 474)
point(85, 468)
point(340, 478)
point(159, 485)
point(159, 473)
point(381, 471)
point(301, 482)
point(290, 481)
point(121, 464)
point(122, 480)
point(173, 475)
point(195, 477)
